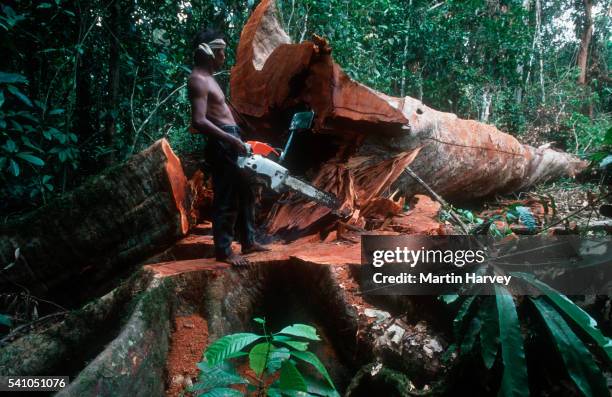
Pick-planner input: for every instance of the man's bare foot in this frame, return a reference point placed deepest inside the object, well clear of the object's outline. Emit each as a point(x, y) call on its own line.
point(256, 247)
point(235, 260)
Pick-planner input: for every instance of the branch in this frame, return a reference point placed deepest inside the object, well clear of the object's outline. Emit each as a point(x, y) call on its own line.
point(151, 115)
point(439, 198)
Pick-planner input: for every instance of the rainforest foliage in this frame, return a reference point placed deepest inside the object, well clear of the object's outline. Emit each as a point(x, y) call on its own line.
point(84, 84)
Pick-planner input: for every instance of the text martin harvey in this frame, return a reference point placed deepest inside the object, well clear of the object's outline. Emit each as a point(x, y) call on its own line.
point(431, 278)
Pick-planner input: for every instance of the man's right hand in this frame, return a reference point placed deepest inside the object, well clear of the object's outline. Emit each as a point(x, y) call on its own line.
point(237, 145)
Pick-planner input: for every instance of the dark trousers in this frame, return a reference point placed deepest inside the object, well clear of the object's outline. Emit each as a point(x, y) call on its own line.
point(233, 200)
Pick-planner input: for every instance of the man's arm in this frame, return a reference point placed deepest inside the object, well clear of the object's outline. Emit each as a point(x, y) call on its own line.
point(198, 93)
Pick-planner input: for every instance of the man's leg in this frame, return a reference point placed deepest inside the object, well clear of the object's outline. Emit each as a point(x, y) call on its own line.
point(246, 218)
point(224, 210)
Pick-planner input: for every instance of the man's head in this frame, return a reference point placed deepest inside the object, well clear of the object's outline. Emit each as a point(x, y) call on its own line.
point(209, 41)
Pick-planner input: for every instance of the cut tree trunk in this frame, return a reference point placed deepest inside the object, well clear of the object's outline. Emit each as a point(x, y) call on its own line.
point(459, 159)
point(117, 218)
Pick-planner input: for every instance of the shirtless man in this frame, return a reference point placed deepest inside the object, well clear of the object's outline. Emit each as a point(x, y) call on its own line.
point(233, 198)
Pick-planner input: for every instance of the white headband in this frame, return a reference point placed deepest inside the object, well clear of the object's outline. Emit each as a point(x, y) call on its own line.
point(208, 47)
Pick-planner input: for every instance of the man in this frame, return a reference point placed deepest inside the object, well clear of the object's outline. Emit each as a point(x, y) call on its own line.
point(233, 198)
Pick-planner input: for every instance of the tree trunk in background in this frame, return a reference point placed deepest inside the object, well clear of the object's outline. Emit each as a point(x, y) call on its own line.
point(113, 78)
point(585, 41)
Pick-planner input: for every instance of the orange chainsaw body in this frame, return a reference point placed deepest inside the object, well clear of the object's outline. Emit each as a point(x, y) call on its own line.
point(262, 148)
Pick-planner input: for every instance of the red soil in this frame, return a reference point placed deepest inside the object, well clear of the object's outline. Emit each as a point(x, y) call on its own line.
point(189, 339)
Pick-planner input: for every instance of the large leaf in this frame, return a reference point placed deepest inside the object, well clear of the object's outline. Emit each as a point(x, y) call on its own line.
point(258, 357)
point(221, 392)
point(489, 331)
point(469, 339)
point(514, 380)
point(578, 316)
point(224, 347)
point(10, 78)
point(320, 388)
point(578, 361)
point(301, 330)
point(313, 360)
point(31, 158)
point(461, 315)
point(291, 378)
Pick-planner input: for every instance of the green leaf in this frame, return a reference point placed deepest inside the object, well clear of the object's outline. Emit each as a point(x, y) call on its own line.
point(10, 146)
point(259, 320)
point(221, 392)
point(20, 95)
point(31, 158)
point(514, 379)
point(44, 5)
point(1, 98)
point(300, 346)
point(258, 357)
point(11, 78)
point(578, 316)
point(276, 359)
point(223, 347)
point(301, 330)
point(320, 388)
point(489, 332)
point(608, 137)
point(313, 360)
point(448, 299)
point(291, 378)
point(6, 320)
point(14, 167)
point(26, 141)
point(212, 376)
point(578, 361)
point(469, 339)
point(297, 345)
point(461, 315)
point(56, 111)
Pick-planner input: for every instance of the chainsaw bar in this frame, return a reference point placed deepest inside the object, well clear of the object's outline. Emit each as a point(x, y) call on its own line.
point(312, 193)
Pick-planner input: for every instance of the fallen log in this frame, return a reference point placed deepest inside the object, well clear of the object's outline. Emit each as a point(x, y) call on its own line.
point(459, 159)
point(114, 220)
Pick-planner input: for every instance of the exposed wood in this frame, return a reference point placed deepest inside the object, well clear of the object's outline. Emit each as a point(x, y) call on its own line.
point(459, 159)
point(116, 218)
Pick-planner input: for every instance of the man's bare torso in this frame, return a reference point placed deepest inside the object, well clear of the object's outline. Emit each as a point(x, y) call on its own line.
point(217, 110)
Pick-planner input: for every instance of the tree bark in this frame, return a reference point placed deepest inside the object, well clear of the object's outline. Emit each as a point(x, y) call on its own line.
point(111, 221)
point(585, 41)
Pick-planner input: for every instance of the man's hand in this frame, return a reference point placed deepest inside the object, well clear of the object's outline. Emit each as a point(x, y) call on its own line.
point(236, 144)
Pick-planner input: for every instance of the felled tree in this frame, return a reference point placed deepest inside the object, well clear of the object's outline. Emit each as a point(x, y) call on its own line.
point(460, 159)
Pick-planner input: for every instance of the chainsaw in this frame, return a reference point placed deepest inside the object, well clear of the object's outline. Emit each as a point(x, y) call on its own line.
point(257, 163)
